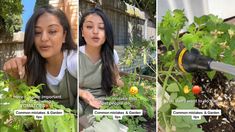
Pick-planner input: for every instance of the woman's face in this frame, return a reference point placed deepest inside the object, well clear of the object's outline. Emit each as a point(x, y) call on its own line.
point(93, 30)
point(49, 36)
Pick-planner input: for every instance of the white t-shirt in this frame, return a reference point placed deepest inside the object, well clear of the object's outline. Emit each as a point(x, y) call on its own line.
point(115, 55)
point(71, 66)
point(71, 60)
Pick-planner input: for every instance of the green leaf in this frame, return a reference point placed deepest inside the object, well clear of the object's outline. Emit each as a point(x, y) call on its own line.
point(8, 104)
point(211, 74)
point(65, 123)
point(192, 28)
point(183, 129)
point(200, 20)
point(189, 40)
point(141, 119)
point(141, 97)
point(98, 118)
point(182, 103)
point(192, 122)
point(213, 50)
point(173, 96)
point(178, 122)
point(229, 56)
point(170, 26)
point(181, 99)
point(173, 87)
point(229, 76)
point(165, 107)
point(150, 110)
point(4, 128)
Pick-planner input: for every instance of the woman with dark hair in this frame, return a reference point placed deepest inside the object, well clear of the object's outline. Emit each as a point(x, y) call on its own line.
point(98, 71)
point(50, 56)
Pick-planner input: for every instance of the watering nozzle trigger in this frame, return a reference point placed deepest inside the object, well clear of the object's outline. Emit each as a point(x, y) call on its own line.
point(191, 61)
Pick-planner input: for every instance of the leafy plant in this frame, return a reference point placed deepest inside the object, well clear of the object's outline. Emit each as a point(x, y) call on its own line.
point(213, 38)
point(144, 99)
point(16, 95)
point(10, 16)
point(141, 54)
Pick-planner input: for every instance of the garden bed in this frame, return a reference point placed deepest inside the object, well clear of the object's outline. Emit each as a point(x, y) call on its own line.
point(146, 85)
point(217, 93)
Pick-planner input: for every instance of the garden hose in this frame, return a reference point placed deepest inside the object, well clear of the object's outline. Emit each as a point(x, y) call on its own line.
point(191, 61)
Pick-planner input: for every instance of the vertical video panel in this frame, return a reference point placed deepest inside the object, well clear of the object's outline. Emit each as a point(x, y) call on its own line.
point(38, 77)
point(196, 66)
point(117, 65)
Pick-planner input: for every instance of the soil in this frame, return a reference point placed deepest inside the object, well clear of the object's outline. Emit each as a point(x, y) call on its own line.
point(217, 93)
point(150, 125)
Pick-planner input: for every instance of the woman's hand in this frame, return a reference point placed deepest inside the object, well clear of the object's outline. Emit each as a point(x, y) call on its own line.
point(118, 80)
point(89, 98)
point(15, 67)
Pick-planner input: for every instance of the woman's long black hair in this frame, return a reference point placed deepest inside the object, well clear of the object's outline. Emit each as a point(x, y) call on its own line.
point(35, 65)
point(106, 52)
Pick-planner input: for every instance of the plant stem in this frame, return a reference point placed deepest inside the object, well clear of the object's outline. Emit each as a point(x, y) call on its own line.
point(175, 80)
point(166, 80)
point(151, 68)
point(176, 42)
point(166, 72)
point(167, 125)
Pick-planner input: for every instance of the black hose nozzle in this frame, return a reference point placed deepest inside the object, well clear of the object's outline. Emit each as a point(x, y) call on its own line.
point(191, 61)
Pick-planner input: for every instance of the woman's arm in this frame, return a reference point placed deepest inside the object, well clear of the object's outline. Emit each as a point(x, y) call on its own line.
point(118, 80)
point(15, 67)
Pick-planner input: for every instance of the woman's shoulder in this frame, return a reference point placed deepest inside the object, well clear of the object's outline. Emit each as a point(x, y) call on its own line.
point(115, 55)
point(71, 53)
point(71, 62)
point(82, 49)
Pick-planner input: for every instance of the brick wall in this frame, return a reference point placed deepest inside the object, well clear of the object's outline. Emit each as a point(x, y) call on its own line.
point(70, 7)
point(10, 48)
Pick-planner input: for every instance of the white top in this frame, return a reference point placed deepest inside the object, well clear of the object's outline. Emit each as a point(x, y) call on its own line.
point(71, 66)
point(116, 58)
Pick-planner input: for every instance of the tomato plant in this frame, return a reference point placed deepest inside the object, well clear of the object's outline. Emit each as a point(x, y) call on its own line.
point(213, 38)
point(142, 98)
point(16, 95)
point(139, 54)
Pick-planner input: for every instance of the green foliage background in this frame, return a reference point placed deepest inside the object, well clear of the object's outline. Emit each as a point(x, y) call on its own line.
point(10, 16)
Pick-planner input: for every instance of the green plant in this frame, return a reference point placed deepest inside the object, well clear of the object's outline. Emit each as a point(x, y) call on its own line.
point(208, 33)
point(16, 95)
point(141, 53)
point(213, 38)
point(124, 100)
point(10, 16)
